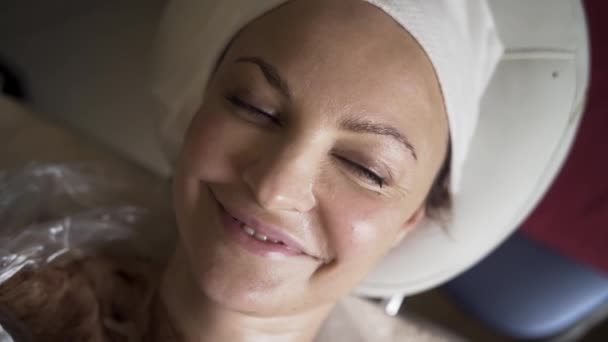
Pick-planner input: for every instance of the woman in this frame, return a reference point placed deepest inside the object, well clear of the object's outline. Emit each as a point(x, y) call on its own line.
point(324, 132)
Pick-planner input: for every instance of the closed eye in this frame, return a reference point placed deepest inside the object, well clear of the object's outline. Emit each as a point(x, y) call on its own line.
point(253, 110)
point(363, 171)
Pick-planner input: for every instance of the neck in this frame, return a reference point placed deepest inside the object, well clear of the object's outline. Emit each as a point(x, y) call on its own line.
point(196, 318)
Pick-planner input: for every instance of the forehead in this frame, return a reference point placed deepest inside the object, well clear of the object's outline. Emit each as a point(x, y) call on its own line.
point(346, 56)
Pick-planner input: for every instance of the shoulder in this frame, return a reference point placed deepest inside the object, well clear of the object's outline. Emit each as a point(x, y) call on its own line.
point(84, 299)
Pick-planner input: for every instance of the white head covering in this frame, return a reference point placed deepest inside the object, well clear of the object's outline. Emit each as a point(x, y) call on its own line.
point(458, 36)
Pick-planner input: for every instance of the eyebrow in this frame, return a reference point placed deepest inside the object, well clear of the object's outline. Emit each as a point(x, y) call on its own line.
point(366, 126)
point(271, 74)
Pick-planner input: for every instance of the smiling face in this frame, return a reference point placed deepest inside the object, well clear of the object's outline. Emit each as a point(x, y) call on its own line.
point(320, 132)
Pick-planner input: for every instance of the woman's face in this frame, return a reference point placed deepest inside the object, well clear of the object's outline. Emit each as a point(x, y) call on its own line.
point(320, 132)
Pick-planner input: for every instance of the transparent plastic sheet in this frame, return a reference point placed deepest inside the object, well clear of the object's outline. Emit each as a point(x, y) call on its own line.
point(49, 210)
point(43, 192)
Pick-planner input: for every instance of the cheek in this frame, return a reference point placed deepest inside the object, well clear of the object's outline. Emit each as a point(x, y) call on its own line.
point(362, 230)
point(368, 232)
point(208, 145)
point(203, 160)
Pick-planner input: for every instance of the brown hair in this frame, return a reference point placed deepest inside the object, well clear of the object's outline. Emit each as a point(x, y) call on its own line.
point(439, 199)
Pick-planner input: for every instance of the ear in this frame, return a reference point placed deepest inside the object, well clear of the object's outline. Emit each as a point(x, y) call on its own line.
point(410, 224)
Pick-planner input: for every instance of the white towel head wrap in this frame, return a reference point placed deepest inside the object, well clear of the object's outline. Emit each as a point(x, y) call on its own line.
point(457, 35)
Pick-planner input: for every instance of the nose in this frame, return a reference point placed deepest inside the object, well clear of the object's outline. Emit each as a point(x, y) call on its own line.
point(283, 180)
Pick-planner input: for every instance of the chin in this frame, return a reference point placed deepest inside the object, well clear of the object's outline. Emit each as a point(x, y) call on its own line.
point(233, 278)
point(247, 288)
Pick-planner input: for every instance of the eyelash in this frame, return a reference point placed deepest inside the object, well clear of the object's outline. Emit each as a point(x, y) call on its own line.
point(364, 172)
point(251, 109)
point(355, 167)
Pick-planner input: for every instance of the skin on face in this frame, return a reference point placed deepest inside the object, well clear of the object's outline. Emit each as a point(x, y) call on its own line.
point(325, 119)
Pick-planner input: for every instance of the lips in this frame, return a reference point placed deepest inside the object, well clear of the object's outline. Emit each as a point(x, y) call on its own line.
point(258, 237)
point(266, 234)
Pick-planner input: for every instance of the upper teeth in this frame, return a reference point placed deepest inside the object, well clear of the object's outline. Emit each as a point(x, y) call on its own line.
point(251, 232)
